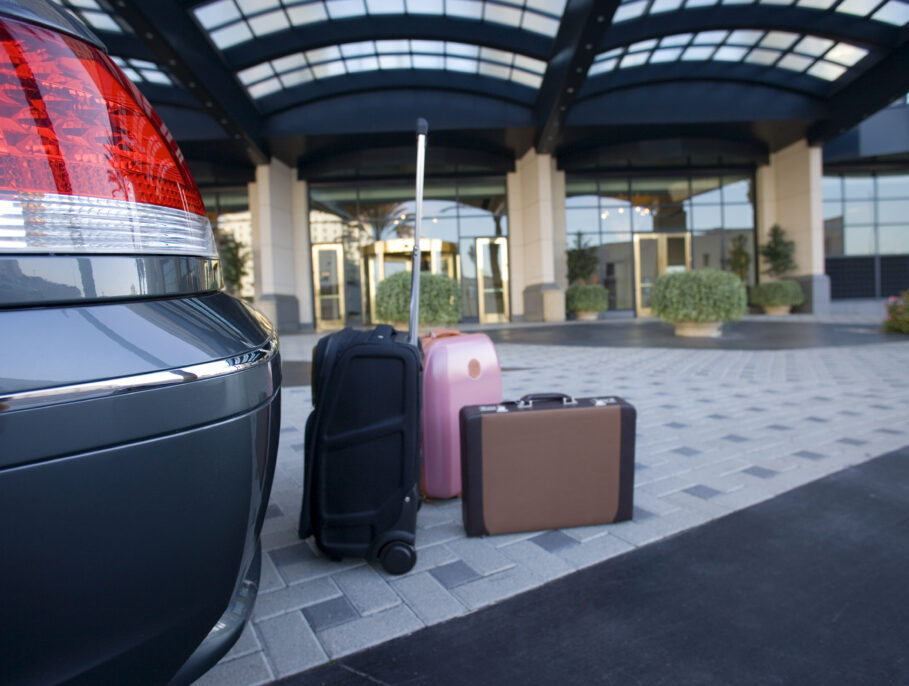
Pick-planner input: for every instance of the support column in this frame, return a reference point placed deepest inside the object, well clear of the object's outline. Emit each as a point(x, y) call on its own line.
point(278, 205)
point(789, 194)
point(536, 235)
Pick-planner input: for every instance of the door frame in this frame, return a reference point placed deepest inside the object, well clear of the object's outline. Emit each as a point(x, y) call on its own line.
point(662, 240)
point(338, 249)
point(497, 317)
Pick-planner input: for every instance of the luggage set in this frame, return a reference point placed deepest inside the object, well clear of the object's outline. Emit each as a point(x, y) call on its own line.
point(544, 462)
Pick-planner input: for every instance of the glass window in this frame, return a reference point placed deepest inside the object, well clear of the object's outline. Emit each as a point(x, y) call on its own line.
point(707, 217)
point(707, 249)
point(581, 193)
point(737, 189)
point(892, 211)
point(858, 212)
point(858, 240)
point(738, 216)
point(858, 187)
point(581, 219)
point(832, 188)
point(615, 271)
point(744, 239)
point(650, 191)
point(445, 228)
point(832, 209)
point(615, 219)
point(706, 191)
point(482, 226)
point(614, 192)
point(469, 303)
point(893, 186)
point(893, 240)
point(834, 243)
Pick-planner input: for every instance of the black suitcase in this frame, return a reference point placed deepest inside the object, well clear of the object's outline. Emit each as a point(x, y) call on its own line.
point(362, 445)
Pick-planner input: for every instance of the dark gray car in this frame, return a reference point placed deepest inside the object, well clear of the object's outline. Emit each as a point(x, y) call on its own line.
point(139, 404)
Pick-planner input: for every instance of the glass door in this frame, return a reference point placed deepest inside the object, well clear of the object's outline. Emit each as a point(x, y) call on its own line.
point(492, 279)
point(328, 267)
point(656, 254)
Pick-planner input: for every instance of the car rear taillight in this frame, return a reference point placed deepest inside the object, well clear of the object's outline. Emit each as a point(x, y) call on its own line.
point(86, 166)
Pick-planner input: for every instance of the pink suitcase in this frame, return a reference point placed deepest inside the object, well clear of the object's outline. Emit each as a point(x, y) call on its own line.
point(458, 370)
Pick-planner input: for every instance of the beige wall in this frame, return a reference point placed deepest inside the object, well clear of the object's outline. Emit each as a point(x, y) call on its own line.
point(789, 194)
point(536, 233)
point(278, 203)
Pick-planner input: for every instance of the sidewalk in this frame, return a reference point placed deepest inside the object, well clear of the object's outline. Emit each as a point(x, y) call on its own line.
point(718, 430)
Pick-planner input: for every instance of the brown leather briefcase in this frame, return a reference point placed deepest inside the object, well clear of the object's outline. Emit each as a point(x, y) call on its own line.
point(547, 462)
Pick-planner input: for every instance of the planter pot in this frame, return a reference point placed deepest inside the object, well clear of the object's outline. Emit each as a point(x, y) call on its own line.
point(777, 309)
point(586, 315)
point(699, 329)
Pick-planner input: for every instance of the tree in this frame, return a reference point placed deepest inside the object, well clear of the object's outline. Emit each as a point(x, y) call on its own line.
point(778, 253)
point(234, 261)
point(739, 259)
point(582, 261)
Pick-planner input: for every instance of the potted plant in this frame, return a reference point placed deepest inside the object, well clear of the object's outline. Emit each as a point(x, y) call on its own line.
point(897, 314)
point(585, 298)
point(779, 296)
point(739, 259)
point(440, 300)
point(698, 302)
point(586, 301)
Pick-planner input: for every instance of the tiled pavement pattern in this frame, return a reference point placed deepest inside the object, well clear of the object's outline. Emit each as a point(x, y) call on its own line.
point(717, 431)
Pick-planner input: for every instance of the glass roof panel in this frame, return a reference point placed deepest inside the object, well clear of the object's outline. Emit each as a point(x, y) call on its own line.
point(155, 76)
point(365, 56)
point(307, 14)
point(698, 53)
point(860, 8)
point(469, 9)
point(664, 6)
point(101, 21)
point(341, 9)
point(894, 12)
point(629, 10)
point(232, 34)
point(143, 71)
point(816, 4)
point(643, 45)
point(699, 3)
point(778, 49)
point(501, 14)
point(665, 55)
point(217, 13)
point(537, 23)
point(269, 23)
point(425, 7)
point(776, 2)
point(385, 6)
point(253, 6)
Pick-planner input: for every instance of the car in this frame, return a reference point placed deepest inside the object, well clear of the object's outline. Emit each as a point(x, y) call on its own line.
point(139, 402)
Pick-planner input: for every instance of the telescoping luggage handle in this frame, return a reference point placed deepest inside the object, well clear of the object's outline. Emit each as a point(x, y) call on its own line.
point(412, 338)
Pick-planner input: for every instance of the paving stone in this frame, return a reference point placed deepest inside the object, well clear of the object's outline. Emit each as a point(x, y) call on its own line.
point(686, 451)
point(809, 455)
point(246, 644)
point(290, 644)
point(428, 598)
point(365, 588)
point(330, 613)
point(294, 597)
point(348, 638)
point(496, 587)
point(735, 438)
point(554, 541)
point(269, 578)
point(760, 472)
point(701, 491)
point(480, 556)
point(852, 441)
point(430, 557)
point(250, 670)
point(283, 557)
point(666, 486)
point(439, 534)
point(542, 563)
point(595, 550)
point(454, 574)
point(273, 511)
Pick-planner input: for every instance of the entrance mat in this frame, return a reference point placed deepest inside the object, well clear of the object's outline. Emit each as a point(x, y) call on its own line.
point(811, 587)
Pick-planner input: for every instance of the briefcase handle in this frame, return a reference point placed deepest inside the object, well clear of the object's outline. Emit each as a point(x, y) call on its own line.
point(527, 401)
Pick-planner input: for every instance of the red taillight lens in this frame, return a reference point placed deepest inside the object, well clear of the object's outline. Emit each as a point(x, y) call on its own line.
point(85, 163)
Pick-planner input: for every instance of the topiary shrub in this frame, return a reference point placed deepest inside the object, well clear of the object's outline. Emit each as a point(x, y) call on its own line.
point(897, 314)
point(703, 295)
point(440, 299)
point(586, 298)
point(774, 293)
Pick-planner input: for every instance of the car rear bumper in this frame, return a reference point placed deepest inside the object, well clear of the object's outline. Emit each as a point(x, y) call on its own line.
point(133, 504)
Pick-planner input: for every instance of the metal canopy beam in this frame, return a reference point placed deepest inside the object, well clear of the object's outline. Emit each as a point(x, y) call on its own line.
point(178, 44)
point(878, 87)
point(581, 30)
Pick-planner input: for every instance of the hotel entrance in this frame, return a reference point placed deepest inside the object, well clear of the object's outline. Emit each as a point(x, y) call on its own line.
point(656, 254)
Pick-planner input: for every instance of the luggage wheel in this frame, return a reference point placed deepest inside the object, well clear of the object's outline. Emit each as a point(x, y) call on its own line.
point(397, 557)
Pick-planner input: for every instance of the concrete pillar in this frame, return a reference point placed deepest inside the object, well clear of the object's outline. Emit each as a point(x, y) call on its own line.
point(789, 194)
point(536, 236)
point(278, 205)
